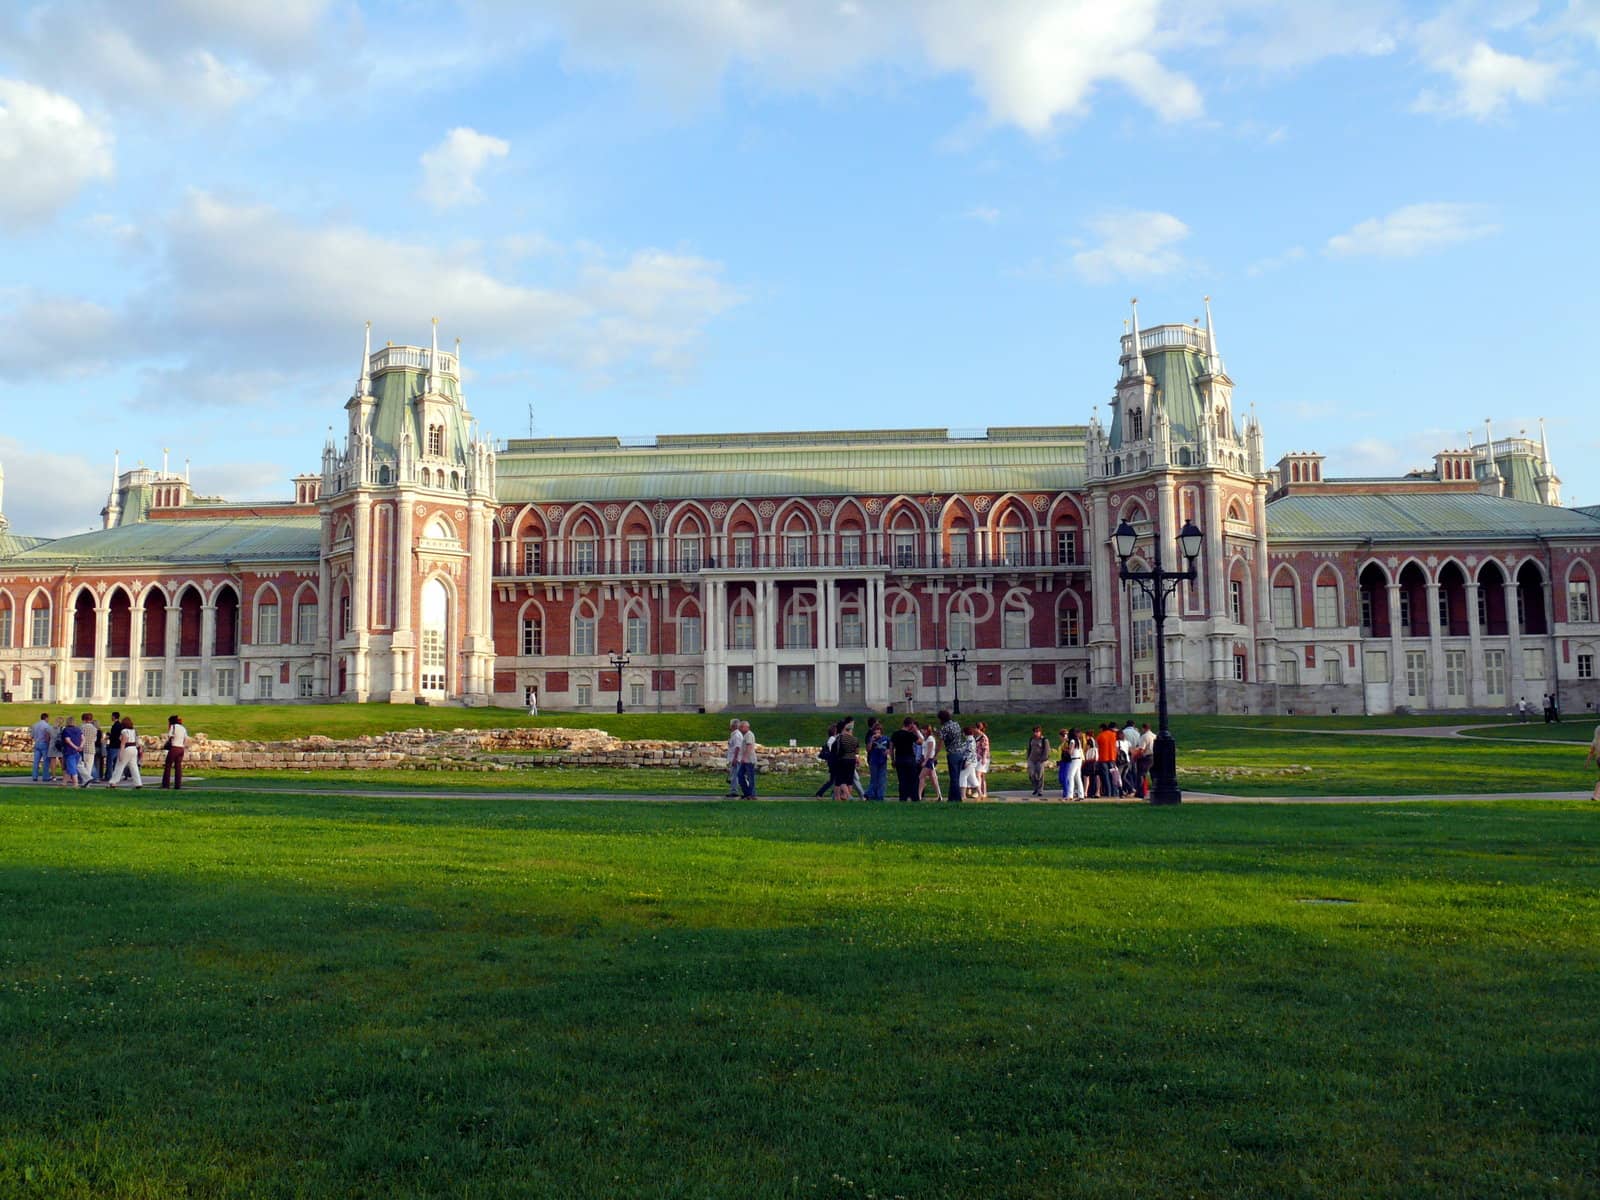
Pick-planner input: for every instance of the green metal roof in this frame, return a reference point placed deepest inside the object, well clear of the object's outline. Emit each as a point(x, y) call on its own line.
point(394, 394)
point(1175, 368)
point(246, 539)
point(12, 544)
point(1589, 510)
point(1412, 517)
point(732, 465)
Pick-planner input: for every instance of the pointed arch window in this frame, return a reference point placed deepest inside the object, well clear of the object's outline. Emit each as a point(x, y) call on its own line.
point(436, 440)
point(39, 621)
point(1135, 425)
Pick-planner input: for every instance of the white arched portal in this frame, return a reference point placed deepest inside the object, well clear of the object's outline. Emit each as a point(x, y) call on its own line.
point(435, 630)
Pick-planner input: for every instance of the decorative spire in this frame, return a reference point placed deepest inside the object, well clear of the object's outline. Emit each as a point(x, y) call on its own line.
point(164, 452)
point(1213, 359)
point(433, 360)
point(461, 385)
point(1544, 447)
point(1493, 469)
point(364, 384)
point(186, 470)
point(116, 469)
point(1137, 366)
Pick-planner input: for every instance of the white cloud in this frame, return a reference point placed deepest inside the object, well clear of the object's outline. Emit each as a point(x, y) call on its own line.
point(1276, 261)
point(983, 213)
point(450, 170)
point(1414, 229)
point(49, 149)
point(1133, 244)
point(45, 491)
point(47, 334)
point(1486, 80)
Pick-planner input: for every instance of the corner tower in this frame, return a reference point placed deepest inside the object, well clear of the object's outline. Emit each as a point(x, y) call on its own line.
point(406, 510)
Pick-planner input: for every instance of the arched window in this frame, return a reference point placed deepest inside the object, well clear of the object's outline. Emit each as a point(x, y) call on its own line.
point(1069, 621)
point(436, 441)
point(39, 620)
point(531, 643)
point(305, 617)
point(905, 622)
point(962, 628)
point(8, 631)
point(435, 630)
point(636, 628)
point(345, 615)
point(691, 545)
point(383, 476)
point(1285, 600)
point(226, 622)
point(585, 629)
point(1014, 620)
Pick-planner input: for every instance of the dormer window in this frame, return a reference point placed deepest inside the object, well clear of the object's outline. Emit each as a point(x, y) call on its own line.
point(1135, 424)
point(436, 441)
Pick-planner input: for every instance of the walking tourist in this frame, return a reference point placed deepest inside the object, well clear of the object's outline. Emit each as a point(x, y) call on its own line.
point(747, 761)
point(1075, 757)
point(1522, 708)
point(1147, 743)
point(826, 755)
point(930, 764)
point(905, 748)
point(1038, 753)
point(1594, 757)
point(127, 754)
point(969, 766)
point(177, 742)
point(980, 742)
point(845, 749)
point(71, 753)
point(1089, 764)
point(89, 760)
point(43, 734)
point(954, 739)
point(734, 739)
point(877, 761)
point(1106, 743)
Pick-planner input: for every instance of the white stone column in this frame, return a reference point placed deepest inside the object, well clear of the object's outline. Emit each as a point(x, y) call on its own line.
point(1476, 693)
point(404, 641)
point(1516, 685)
point(100, 682)
point(1266, 639)
point(477, 567)
point(136, 664)
point(361, 596)
point(208, 646)
point(169, 648)
point(1436, 679)
point(762, 690)
point(1397, 653)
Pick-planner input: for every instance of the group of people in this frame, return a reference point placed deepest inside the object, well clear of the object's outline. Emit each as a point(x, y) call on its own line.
point(87, 754)
point(1105, 763)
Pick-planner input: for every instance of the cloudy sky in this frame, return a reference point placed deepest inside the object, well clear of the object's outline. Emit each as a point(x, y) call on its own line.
point(649, 216)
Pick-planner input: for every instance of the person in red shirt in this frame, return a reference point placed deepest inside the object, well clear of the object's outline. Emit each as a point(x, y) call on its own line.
point(1106, 743)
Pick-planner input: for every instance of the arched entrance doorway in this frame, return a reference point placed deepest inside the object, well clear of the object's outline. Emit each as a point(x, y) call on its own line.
point(435, 627)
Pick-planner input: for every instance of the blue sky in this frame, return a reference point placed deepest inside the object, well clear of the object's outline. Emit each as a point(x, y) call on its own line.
point(647, 216)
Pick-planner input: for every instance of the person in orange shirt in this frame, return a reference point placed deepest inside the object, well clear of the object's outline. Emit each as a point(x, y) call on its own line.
point(1106, 743)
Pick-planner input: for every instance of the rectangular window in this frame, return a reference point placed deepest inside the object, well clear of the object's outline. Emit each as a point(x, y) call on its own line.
point(742, 633)
point(851, 632)
point(903, 629)
point(852, 683)
point(960, 631)
point(264, 682)
point(532, 637)
point(1405, 611)
point(189, 684)
point(744, 684)
point(583, 635)
point(344, 616)
point(689, 691)
point(1377, 666)
point(636, 694)
point(689, 554)
point(1144, 637)
point(119, 685)
point(1236, 601)
point(1289, 671)
point(1455, 673)
point(1283, 608)
point(226, 682)
point(1014, 629)
point(1069, 631)
point(689, 639)
point(1494, 672)
point(36, 687)
point(1067, 547)
point(152, 683)
point(432, 660)
point(1585, 666)
point(1416, 673)
point(533, 558)
point(303, 685)
point(797, 631)
point(83, 684)
point(1327, 606)
point(1580, 603)
point(5, 627)
point(1444, 611)
point(39, 633)
point(585, 695)
point(583, 556)
point(1069, 687)
point(1483, 607)
point(905, 551)
point(1144, 687)
point(637, 634)
point(638, 555)
point(850, 549)
point(306, 623)
point(796, 551)
point(1332, 670)
point(744, 551)
point(1533, 662)
point(1366, 610)
point(960, 544)
point(266, 630)
point(1011, 550)
point(1238, 667)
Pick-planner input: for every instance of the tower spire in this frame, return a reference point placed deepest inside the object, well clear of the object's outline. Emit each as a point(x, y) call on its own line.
point(1136, 368)
point(461, 384)
point(1213, 359)
point(1544, 447)
point(364, 383)
point(433, 360)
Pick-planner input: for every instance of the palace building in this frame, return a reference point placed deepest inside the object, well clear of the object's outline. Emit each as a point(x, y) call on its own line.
point(821, 569)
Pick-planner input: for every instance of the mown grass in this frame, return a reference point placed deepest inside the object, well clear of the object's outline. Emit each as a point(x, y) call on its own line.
point(275, 996)
point(1573, 729)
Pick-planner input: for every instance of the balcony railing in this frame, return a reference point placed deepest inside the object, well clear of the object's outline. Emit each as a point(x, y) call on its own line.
point(890, 561)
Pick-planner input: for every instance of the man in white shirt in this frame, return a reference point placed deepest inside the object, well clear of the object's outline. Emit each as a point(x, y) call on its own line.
point(747, 761)
point(89, 761)
point(735, 743)
point(177, 742)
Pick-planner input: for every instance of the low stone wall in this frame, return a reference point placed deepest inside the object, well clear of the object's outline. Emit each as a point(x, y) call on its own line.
point(447, 750)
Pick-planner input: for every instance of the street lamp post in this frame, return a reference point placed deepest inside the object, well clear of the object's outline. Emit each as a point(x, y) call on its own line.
point(955, 658)
point(1159, 584)
point(619, 661)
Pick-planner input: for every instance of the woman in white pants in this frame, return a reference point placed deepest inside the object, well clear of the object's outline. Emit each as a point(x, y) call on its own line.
point(1074, 766)
point(127, 756)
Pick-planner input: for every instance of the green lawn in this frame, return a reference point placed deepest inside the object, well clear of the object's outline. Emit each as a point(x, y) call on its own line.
point(1573, 729)
point(271, 995)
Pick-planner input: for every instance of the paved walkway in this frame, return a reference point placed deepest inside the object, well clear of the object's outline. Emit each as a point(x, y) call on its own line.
point(219, 788)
